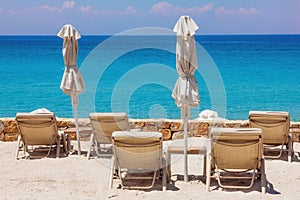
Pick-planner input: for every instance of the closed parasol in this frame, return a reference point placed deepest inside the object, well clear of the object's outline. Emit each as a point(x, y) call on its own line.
point(185, 91)
point(72, 82)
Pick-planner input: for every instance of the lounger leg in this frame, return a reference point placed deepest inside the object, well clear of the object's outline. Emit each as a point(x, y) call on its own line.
point(58, 147)
point(290, 148)
point(164, 178)
point(263, 176)
point(168, 166)
point(25, 150)
point(65, 144)
point(208, 170)
point(112, 169)
point(90, 146)
point(18, 147)
point(68, 143)
point(204, 168)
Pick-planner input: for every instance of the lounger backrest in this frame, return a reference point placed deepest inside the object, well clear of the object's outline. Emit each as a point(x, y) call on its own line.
point(138, 150)
point(37, 129)
point(236, 148)
point(104, 124)
point(275, 125)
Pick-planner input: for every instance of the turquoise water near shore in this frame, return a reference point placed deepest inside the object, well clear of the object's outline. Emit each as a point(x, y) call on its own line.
point(259, 72)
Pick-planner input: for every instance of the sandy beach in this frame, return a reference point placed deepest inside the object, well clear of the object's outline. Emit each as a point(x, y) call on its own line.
point(75, 177)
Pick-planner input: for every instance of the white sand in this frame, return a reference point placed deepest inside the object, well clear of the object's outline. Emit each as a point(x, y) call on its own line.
point(75, 177)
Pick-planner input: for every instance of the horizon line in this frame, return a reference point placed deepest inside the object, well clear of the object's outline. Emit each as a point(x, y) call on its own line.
point(205, 34)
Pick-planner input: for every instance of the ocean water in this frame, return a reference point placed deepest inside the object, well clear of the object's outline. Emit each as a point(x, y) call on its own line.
point(136, 75)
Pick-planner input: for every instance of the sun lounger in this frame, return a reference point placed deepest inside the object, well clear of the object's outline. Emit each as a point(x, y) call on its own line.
point(104, 124)
point(276, 127)
point(236, 154)
point(136, 154)
point(38, 129)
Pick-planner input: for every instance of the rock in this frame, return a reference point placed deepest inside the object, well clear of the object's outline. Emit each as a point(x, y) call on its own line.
point(150, 126)
point(65, 123)
point(1, 130)
point(169, 128)
point(136, 124)
point(202, 130)
point(180, 135)
point(245, 124)
point(163, 124)
point(1, 126)
point(176, 126)
point(166, 133)
point(10, 137)
point(233, 124)
point(10, 126)
point(10, 131)
point(70, 122)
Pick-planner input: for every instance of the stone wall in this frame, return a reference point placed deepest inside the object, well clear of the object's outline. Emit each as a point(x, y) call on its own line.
point(171, 129)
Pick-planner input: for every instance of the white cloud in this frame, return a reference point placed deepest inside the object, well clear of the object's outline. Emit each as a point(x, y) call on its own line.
point(130, 10)
point(162, 7)
point(207, 7)
point(49, 8)
point(194, 10)
point(166, 8)
point(242, 11)
point(67, 5)
point(85, 9)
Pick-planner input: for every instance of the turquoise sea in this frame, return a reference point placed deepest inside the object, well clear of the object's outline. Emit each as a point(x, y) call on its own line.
point(136, 75)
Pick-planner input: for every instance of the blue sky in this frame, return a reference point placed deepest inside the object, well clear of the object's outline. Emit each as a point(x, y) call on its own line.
point(102, 17)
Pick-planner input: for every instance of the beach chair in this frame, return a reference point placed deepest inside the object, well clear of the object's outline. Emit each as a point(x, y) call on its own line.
point(236, 156)
point(276, 127)
point(138, 156)
point(38, 129)
point(104, 124)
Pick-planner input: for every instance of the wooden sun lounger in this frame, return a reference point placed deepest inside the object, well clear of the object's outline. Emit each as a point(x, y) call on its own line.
point(137, 153)
point(104, 124)
point(275, 126)
point(38, 129)
point(236, 153)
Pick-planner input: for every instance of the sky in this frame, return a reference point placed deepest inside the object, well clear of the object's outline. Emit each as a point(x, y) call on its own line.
point(107, 17)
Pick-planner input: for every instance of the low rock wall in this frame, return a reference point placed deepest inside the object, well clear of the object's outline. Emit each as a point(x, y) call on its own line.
point(170, 128)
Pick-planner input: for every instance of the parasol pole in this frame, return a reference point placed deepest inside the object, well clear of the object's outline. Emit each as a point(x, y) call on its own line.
point(185, 144)
point(75, 105)
point(184, 117)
